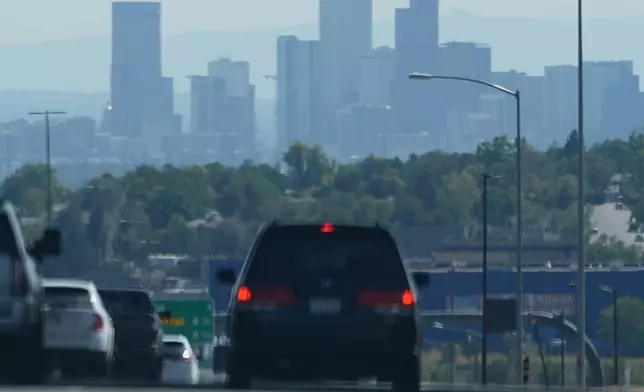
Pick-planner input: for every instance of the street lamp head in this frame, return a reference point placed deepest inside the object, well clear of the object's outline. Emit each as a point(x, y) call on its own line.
point(437, 325)
point(572, 284)
point(607, 289)
point(491, 176)
point(420, 76)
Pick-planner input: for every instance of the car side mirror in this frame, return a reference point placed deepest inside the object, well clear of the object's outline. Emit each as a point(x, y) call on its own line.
point(49, 245)
point(226, 276)
point(421, 279)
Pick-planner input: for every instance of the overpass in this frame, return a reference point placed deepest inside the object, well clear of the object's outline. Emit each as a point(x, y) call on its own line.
point(567, 328)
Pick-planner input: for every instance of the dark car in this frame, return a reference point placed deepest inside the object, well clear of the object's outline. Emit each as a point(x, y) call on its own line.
point(23, 358)
point(138, 333)
point(323, 302)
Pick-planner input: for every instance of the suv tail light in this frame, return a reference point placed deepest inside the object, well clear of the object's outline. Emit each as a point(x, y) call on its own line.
point(98, 323)
point(18, 286)
point(273, 295)
point(374, 298)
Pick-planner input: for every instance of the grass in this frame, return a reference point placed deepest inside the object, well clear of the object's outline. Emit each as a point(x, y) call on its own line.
point(436, 368)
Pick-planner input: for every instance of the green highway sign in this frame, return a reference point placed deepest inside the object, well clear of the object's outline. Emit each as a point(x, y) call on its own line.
point(191, 316)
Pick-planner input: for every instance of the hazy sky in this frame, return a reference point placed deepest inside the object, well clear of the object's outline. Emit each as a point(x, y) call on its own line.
point(29, 21)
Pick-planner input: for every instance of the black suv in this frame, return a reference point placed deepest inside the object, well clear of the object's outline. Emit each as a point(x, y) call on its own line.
point(23, 358)
point(323, 302)
point(138, 333)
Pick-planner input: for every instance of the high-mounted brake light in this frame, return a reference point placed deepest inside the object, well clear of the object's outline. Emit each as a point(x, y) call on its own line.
point(327, 228)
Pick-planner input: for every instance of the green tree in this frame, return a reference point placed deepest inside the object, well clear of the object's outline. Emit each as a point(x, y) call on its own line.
point(630, 314)
point(27, 189)
point(457, 197)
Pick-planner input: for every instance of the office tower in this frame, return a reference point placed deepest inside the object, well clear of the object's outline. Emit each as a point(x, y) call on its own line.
point(298, 95)
point(377, 73)
point(223, 104)
point(417, 105)
point(470, 60)
point(346, 29)
point(140, 96)
point(611, 95)
point(240, 102)
point(561, 99)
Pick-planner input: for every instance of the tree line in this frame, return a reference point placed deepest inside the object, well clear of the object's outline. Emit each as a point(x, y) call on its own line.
point(213, 211)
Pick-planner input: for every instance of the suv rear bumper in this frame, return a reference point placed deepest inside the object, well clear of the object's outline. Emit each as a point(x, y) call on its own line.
point(271, 353)
point(341, 363)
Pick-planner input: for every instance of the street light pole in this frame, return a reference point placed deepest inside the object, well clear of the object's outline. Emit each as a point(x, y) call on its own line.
point(519, 250)
point(581, 221)
point(484, 288)
point(615, 345)
point(562, 350)
point(519, 200)
point(484, 330)
point(48, 159)
point(613, 293)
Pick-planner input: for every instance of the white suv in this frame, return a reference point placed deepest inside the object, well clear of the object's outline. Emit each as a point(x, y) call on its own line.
point(21, 317)
point(79, 335)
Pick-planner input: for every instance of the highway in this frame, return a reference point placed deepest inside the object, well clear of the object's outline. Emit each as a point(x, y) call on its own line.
point(330, 387)
point(212, 382)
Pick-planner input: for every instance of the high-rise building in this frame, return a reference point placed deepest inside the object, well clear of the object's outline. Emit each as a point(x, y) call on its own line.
point(298, 95)
point(416, 105)
point(470, 60)
point(235, 73)
point(139, 94)
point(533, 106)
point(223, 104)
point(346, 29)
point(377, 72)
point(560, 85)
point(611, 95)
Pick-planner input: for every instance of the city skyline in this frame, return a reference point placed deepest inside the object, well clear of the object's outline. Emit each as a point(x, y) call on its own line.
point(184, 53)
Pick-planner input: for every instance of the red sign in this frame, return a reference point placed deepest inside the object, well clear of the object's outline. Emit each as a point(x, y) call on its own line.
point(555, 303)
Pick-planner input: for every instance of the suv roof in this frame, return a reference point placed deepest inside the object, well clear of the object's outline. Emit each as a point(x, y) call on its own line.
point(70, 283)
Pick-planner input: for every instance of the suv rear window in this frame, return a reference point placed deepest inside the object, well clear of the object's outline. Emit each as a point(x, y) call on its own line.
point(67, 298)
point(365, 255)
point(173, 349)
point(127, 301)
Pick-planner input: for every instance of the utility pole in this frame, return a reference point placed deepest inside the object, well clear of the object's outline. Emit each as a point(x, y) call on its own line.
point(581, 217)
point(48, 151)
point(484, 328)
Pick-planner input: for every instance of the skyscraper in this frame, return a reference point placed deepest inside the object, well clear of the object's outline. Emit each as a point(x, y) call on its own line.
point(346, 29)
point(223, 104)
point(298, 92)
point(469, 60)
point(416, 105)
point(139, 94)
